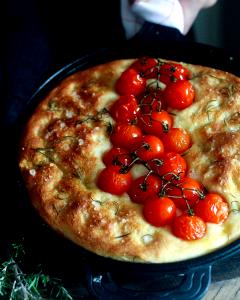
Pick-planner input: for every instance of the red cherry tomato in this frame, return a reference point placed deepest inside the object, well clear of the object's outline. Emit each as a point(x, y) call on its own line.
point(213, 208)
point(189, 227)
point(125, 109)
point(187, 191)
point(176, 140)
point(130, 83)
point(145, 66)
point(171, 72)
point(117, 156)
point(143, 188)
point(112, 181)
point(155, 123)
point(159, 211)
point(171, 166)
point(179, 95)
point(150, 147)
point(152, 101)
point(126, 136)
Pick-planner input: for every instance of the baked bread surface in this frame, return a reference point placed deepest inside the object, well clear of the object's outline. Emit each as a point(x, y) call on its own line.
point(61, 157)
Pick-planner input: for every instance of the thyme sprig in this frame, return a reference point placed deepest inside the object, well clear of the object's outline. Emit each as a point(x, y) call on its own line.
point(169, 180)
point(15, 284)
point(154, 99)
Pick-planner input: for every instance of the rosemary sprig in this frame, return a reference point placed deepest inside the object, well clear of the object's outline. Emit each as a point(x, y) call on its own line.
point(211, 107)
point(47, 152)
point(53, 106)
point(96, 117)
point(231, 90)
point(200, 75)
point(16, 285)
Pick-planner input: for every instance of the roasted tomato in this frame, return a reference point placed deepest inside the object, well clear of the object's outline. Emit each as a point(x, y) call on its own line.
point(126, 136)
point(125, 109)
point(213, 208)
point(171, 72)
point(145, 66)
point(113, 181)
point(179, 95)
point(117, 156)
point(159, 211)
point(152, 101)
point(149, 148)
point(144, 187)
point(186, 193)
point(189, 227)
point(156, 122)
point(171, 166)
point(176, 140)
point(130, 83)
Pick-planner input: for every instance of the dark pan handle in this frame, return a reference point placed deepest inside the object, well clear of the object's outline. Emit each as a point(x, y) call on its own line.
point(193, 286)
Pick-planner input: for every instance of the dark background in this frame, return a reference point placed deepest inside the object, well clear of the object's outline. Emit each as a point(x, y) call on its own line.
point(219, 26)
point(38, 38)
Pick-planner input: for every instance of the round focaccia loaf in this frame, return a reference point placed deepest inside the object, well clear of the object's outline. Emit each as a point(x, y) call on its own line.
point(61, 157)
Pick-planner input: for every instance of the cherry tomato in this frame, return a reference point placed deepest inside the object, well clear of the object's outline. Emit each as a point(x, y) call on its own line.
point(159, 211)
point(171, 166)
point(187, 191)
point(155, 123)
point(126, 136)
point(130, 83)
point(189, 227)
point(145, 66)
point(212, 209)
point(142, 188)
point(176, 140)
point(150, 147)
point(171, 72)
point(117, 156)
point(152, 101)
point(125, 109)
point(179, 95)
point(112, 181)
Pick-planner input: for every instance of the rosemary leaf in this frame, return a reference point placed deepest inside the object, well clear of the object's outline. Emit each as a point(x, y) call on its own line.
point(122, 236)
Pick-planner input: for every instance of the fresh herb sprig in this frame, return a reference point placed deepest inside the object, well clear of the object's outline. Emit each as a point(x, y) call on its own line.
point(15, 284)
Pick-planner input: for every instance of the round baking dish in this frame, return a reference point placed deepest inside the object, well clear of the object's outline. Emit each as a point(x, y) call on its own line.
point(192, 276)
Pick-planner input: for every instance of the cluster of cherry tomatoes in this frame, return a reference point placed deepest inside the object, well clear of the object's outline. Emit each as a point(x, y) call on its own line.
point(144, 134)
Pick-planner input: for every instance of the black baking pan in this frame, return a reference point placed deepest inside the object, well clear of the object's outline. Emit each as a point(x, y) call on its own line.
point(107, 278)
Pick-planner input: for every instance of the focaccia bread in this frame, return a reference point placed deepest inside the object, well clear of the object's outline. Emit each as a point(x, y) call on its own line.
point(63, 146)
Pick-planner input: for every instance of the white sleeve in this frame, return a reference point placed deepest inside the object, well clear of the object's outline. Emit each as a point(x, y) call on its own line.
point(163, 12)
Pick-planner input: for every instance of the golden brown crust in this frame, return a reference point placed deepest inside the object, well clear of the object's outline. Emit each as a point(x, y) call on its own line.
point(61, 156)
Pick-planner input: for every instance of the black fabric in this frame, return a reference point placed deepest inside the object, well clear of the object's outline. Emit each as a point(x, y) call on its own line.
point(157, 33)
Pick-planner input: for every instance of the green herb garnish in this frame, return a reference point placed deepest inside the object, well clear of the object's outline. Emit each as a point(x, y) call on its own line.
point(15, 284)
